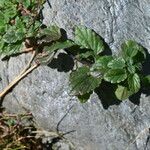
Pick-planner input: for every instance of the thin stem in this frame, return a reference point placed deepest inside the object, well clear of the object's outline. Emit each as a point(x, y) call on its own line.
point(29, 64)
point(26, 50)
point(14, 82)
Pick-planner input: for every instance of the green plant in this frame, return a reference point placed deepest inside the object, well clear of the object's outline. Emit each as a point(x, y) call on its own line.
point(23, 28)
point(19, 23)
point(124, 70)
point(22, 31)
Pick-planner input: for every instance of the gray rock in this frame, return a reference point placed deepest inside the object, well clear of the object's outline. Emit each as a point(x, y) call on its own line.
point(98, 124)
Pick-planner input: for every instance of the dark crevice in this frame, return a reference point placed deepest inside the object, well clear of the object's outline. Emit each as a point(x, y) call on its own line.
point(147, 145)
point(49, 4)
point(49, 144)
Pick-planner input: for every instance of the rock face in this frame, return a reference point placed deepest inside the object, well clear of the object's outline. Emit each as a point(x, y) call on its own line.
point(102, 123)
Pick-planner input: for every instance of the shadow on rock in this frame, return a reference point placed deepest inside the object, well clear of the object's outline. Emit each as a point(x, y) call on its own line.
point(106, 93)
point(63, 63)
point(135, 99)
point(146, 71)
point(146, 64)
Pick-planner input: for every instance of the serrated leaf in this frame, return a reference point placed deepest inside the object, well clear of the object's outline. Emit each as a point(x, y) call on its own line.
point(2, 3)
point(45, 60)
point(131, 69)
point(101, 63)
point(84, 98)
point(26, 3)
point(10, 37)
point(59, 45)
point(2, 29)
point(20, 34)
point(117, 63)
point(2, 23)
point(122, 92)
point(134, 82)
point(83, 82)
point(1, 45)
point(115, 75)
point(13, 36)
point(130, 48)
point(85, 55)
point(19, 24)
point(33, 30)
point(138, 66)
point(11, 49)
point(51, 33)
point(10, 11)
point(86, 38)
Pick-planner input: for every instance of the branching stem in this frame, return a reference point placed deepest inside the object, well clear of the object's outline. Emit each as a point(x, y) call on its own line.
point(16, 80)
point(29, 64)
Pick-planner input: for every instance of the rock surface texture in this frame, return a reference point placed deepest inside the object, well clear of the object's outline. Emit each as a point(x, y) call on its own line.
point(99, 124)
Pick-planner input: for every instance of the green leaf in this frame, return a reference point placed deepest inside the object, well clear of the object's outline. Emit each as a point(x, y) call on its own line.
point(117, 63)
point(141, 50)
point(131, 69)
point(2, 29)
point(122, 92)
point(52, 33)
point(13, 36)
point(12, 49)
point(1, 45)
point(2, 23)
point(45, 60)
point(10, 12)
point(85, 55)
point(130, 48)
point(84, 98)
point(134, 82)
point(83, 82)
point(10, 37)
point(19, 24)
point(26, 3)
point(86, 38)
point(33, 30)
point(130, 65)
point(59, 45)
point(2, 2)
point(138, 66)
point(115, 75)
point(20, 34)
point(101, 63)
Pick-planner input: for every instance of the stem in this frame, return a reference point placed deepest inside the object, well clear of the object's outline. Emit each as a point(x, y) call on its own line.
point(16, 80)
point(29, 64)
point(27, 50)
point(19, 77)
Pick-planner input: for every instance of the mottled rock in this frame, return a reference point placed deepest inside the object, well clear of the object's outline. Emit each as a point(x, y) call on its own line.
point(101, 123)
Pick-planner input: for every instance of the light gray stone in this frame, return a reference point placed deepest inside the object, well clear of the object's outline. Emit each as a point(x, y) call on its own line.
point(45, 91)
